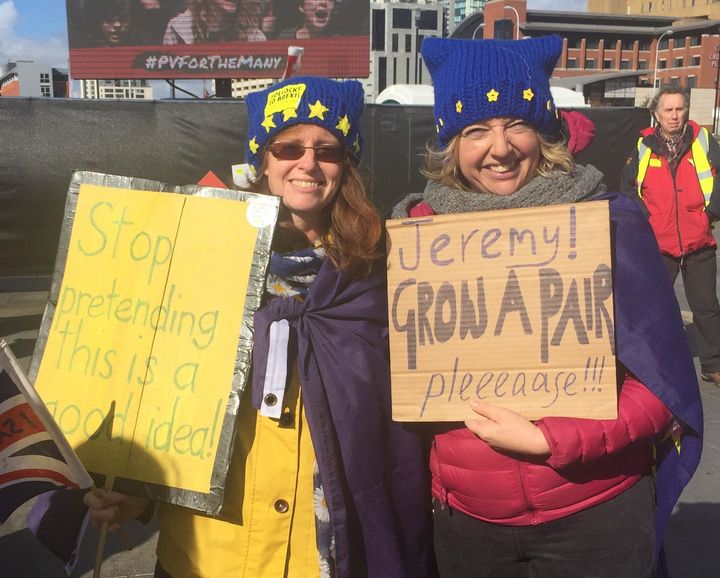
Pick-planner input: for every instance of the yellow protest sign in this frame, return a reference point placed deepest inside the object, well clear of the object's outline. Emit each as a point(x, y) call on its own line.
point(147, 321)
point(510, 307)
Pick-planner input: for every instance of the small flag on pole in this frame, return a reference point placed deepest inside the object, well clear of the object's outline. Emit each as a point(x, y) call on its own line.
point(35, 457)
point(293, 61)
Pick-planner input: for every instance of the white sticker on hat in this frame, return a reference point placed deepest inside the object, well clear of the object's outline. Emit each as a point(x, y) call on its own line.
point(243, 175)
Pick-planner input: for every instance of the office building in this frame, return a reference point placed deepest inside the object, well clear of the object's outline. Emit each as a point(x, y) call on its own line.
point(32, 79)
point(397, 30)
point(116, 89)
point(674, 8)
point(610, 57)
point(461, 9)
point(241, 87)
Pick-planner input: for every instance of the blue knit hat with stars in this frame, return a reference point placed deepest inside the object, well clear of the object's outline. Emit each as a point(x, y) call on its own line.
point(476, 80)
point(333, 105)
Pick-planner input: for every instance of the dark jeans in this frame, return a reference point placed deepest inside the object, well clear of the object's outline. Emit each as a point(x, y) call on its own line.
point(699, 272)
point(615, 539)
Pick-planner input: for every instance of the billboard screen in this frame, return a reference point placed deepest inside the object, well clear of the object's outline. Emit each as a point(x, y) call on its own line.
point(216, 38)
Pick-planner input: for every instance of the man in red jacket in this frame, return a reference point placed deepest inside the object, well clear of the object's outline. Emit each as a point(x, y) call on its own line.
point(673, 171)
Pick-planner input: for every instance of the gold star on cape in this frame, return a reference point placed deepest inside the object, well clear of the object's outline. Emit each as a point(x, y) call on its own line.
point(492, 96)
point(343, 125)
point(458, 107)
point(254, 146)
point(268, 123)
point(549, 104)
point(528, 94)
point(317, 110)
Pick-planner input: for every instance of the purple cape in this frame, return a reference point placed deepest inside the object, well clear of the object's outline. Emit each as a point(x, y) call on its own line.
point(374, 471)
point(652, 345)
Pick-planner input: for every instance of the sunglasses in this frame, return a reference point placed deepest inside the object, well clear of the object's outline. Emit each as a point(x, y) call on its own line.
point(290, 151)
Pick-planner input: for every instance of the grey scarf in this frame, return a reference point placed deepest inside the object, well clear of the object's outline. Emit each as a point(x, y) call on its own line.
point(584, 183)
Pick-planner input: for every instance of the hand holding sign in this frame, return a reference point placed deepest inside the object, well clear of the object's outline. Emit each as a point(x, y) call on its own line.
point(113, 508)
point(507, 431)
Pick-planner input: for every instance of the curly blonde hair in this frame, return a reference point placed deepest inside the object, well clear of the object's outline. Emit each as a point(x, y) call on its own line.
point(442, 165)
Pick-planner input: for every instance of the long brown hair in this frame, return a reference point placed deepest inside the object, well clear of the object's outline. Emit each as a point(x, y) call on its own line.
point(352, 228)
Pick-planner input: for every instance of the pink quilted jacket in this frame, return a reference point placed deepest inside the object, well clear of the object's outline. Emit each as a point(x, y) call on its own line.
point(591, 461)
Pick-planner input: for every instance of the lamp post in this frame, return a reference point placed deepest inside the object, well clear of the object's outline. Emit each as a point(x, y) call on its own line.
point(478, 27)
point(417, 48)
point(517, 20)
point(657, 49)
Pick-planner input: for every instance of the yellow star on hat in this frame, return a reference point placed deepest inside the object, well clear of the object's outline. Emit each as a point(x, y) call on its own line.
point(458, 106)
point(317, 110)
point(343, 125)
point(492, 96)
point(528, 94)
point(289, 113)
point(268, 123)
point(254, 146)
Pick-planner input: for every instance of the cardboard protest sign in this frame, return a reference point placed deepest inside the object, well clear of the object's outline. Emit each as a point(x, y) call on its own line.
point(144, 331)
point(511, 307)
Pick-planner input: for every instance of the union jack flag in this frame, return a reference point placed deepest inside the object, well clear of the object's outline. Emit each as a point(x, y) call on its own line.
point(35, 457)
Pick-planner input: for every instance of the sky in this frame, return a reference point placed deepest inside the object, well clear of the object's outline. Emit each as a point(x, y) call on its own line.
point(37, 29)
point(33, 30)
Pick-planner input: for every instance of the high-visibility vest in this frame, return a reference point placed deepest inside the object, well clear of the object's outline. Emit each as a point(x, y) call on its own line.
point(699, 150)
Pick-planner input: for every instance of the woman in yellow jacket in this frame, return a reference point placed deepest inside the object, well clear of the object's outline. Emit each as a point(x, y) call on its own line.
point(321, 481)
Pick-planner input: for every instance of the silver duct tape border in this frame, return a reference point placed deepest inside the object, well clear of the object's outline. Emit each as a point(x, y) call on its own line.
point(210, 503)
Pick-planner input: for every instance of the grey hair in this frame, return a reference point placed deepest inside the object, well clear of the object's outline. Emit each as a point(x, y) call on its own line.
point(668, 89)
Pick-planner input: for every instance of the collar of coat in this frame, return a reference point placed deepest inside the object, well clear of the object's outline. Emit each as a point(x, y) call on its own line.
point(650, 139)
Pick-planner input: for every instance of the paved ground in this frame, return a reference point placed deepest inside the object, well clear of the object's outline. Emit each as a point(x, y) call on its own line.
point(692, 544)
point(694, 530)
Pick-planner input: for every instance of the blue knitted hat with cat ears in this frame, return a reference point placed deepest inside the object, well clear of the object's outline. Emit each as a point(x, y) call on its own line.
point(334, 105)
point(476, 80)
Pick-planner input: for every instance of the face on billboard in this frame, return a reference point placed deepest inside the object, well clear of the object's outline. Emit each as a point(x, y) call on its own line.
point(216, 38)
point(115, 24)
point(317, 15)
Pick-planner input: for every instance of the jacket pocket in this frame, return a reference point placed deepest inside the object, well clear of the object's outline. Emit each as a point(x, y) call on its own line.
point(665, 228)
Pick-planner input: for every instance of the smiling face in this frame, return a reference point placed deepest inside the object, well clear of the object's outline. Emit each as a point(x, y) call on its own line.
point(498, 156)
point(306, 185)
point(317, 14)
point(670, 113)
